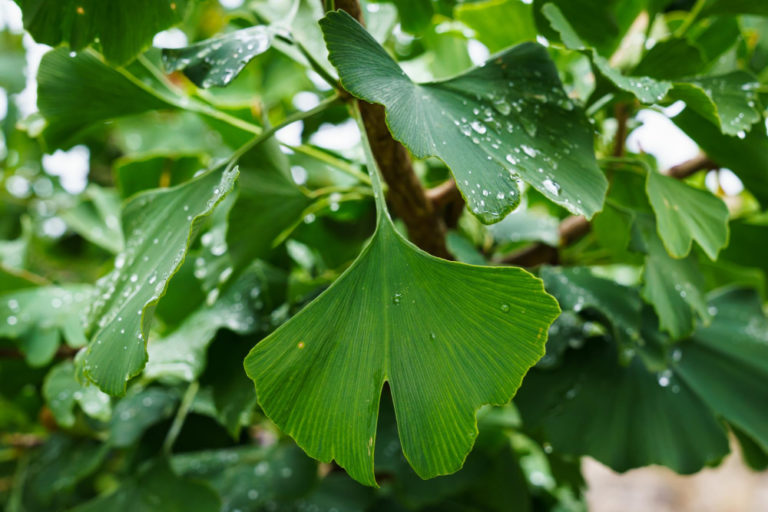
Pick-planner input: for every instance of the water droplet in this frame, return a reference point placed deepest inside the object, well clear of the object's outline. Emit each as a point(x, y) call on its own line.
point(396, 298)
point(552, 186)
point(528, 150)
point(505, 308)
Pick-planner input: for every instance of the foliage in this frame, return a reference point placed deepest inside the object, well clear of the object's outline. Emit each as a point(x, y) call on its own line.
point(227, 312)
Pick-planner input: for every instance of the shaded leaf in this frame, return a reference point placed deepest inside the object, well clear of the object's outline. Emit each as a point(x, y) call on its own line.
point(123, 27)
point(155, 488)
point(96, 217)
point(138, 411)
point(158, 226)
point(723, 362)
point(132, 175)
point(75, 93)
point(684, 214)
point(486, 130)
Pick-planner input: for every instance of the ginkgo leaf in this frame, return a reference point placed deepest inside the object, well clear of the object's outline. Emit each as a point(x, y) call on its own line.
point(492, 125)
point(728, 101)
point(123, 27)
point(62, 391)
point(75, 93)
point(724, 361)
point(320, 375)
point(684, 214)
point(158, 225)
point(216, 62)
point(674, 287)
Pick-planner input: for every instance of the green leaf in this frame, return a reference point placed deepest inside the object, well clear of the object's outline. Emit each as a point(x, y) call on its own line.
point(747, 157)
point(40, 316)
point(320, 375)
point(646, 89)
point(577, 289)
point(159, 225)
point(12, 62)
point(715, 7)
point(674, 287)
point(509, 117)
point(623, 416)
point(268, 203)
point(216, 62)
point(96, 217)
point(483, 18)
point(684, 214)
point(132, 175)
point(728, 101)
point(155, 488)
point(62, 391)
point(123, 27)
point(723, 361)
point(181, 354)
point(415, 15)
point(76, 93)
point(137, 412)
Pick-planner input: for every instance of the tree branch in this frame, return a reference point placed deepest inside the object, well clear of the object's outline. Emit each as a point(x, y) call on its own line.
point(574, 228)
point(406, 195)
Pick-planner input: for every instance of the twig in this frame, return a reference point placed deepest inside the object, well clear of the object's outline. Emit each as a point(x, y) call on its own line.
point(406, 194)
point(181, 414)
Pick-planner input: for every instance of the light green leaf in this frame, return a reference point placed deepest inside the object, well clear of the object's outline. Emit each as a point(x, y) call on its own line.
point(76, 93)
point(623, 416)
point(40, 316)
point(123, 27)
point(725, 362)
point(62, 391)
point(138, 411)
point(483, 18)
point(181, 355)
point(684, 214)
point(96, 217)
point(134, 174)
point(216, 62)
point(509, 117)
point(155, 488)
point(158, 225)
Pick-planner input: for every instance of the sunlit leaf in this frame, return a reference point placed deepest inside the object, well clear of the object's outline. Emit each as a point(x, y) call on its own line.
point(483, 18)
point(507, 118)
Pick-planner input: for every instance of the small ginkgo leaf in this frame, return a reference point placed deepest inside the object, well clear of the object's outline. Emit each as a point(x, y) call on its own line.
point(216, 62)
point(684, 214)
point(158, 225)
point(509, 118)
point(388, 318)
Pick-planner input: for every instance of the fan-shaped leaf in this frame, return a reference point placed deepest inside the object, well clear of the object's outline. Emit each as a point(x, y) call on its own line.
point(507, 118)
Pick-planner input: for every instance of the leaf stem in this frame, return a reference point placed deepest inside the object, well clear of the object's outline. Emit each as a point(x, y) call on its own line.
point(181, 414)
point(693, 14)
point(265, 134)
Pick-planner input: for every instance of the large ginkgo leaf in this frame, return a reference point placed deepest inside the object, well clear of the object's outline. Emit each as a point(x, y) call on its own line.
point(388, 318)
point(158, 225)
point(509, 118)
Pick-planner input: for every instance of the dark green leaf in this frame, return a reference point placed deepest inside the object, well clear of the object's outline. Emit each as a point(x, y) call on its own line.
point(486, 130)
point(62, 391)
point(138, 411)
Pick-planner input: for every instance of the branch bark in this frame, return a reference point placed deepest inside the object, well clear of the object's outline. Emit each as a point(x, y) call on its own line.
point(574, 228)
point(406, 195)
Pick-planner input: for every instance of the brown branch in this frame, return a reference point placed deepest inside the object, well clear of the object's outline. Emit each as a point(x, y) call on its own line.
point(574, 228)
point(621, 113)
point(406, 195)
point(447, 202)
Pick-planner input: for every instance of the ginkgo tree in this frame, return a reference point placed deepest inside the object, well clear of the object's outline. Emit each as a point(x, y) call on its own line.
point(367, 255)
